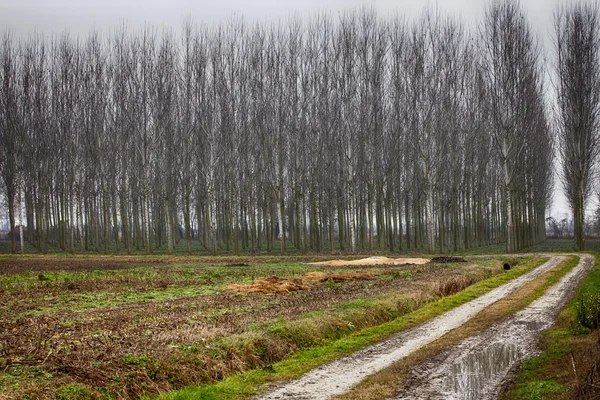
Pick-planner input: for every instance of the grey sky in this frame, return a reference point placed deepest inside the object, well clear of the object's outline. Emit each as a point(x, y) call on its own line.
point(77, 17)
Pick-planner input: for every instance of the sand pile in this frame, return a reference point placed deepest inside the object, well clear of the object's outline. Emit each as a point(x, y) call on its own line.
point(373, 261)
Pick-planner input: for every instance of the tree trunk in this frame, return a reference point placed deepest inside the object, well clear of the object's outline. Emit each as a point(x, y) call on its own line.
point(20, 200)
point(11, 217)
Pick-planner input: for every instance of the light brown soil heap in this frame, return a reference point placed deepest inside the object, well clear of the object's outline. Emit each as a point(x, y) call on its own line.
point(373, 261)
point(274, 284)
point(269, 285)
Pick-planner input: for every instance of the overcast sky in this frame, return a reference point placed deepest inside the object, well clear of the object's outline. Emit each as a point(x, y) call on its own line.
point(53, 17)
point(78, 16)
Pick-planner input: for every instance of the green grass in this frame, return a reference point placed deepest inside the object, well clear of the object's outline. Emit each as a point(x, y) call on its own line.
point(197, 249)
point(565, 245)
point(245, 385)
point(113, 287)
point(540, 390)
point(74, 391)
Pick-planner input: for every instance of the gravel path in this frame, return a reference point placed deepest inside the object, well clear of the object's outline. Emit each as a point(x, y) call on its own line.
point(478, 367)
point(339, 376)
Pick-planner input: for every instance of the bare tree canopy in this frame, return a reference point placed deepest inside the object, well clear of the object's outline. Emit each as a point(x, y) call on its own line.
point(518, 126)
point(578, 97)
point(358, 132)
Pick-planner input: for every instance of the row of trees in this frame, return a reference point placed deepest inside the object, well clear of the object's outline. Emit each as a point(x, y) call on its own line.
point(349, 132)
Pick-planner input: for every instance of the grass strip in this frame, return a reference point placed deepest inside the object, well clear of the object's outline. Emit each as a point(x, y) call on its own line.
point(384, 384)
point(241, 386)
point(568, 354)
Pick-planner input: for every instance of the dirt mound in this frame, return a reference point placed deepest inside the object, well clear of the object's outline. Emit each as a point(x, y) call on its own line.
point(274, 284)
point(373, 261)
point(341, 277)
point(269, 285)
point(447, 259)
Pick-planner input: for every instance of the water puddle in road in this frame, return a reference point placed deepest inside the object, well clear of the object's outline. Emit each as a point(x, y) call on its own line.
point(472, 373)
point(476, 368)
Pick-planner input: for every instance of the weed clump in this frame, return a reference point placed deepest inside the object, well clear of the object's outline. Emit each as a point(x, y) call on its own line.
point(407, 305)
point(588, 387)
point(587, 312)
point(73, 391)
point(457, 283)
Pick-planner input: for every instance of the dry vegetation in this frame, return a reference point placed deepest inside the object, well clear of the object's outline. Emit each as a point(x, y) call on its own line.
point(118, 328)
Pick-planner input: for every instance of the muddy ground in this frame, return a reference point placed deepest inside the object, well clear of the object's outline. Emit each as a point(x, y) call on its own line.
point(119, 327)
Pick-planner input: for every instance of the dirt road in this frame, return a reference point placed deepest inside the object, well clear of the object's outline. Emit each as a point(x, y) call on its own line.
point(477, 367)
point(339, 376)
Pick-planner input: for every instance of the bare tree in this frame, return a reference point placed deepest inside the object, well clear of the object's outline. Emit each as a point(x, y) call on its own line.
point(578, 93)
point(10, 127)
point(362, 133)
point(510, 60)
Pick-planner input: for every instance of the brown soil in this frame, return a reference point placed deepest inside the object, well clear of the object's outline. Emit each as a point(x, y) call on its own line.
point(12, 265)
point(9, 266)
point(447, 260)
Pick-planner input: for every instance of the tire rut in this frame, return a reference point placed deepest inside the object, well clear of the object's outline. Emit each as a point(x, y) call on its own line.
point(339, 376)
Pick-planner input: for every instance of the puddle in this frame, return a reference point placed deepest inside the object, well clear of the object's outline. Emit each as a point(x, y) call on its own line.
point(471, 374)
point(533, 325)
point(475, 369)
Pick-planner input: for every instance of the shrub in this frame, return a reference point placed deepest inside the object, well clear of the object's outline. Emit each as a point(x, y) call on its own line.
point(587, 311)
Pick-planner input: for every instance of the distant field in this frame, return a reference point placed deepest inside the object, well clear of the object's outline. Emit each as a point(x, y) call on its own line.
point(550, 245)
point(83, 327)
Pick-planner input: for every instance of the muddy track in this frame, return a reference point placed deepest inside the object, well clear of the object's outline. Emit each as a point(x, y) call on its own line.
point(479, 367)
point(339, 376)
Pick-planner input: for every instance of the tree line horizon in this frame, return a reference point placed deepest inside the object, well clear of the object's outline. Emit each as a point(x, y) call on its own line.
point(355, 133)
